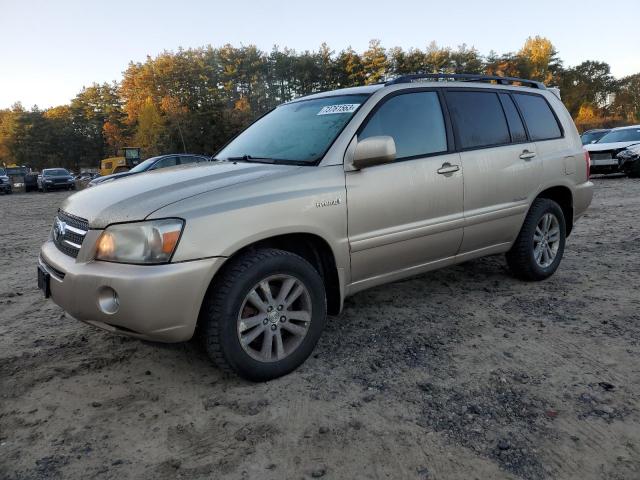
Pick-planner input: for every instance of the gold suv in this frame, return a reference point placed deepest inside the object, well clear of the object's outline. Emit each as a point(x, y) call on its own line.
point(323, 197)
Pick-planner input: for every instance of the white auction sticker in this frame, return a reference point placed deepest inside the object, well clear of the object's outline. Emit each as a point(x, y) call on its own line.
point(342, 108)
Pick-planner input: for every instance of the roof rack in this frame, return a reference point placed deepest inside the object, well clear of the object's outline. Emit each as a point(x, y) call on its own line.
point(466, 77)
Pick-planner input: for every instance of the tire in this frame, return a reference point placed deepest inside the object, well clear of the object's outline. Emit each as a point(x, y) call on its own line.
point(227, 300)
point(522, 256)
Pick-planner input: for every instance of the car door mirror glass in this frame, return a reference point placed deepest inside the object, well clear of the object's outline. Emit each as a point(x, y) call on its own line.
point(374, 151)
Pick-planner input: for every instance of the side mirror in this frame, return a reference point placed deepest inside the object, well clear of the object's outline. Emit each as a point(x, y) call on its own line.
point(374, 151)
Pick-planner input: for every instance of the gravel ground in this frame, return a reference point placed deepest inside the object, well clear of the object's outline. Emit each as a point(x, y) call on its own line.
point(462, 373)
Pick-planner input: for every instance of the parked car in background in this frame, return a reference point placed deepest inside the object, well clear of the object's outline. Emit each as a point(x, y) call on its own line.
point(55, 179)
point(604, 153)
point(593, 136)
point(153, 163)
point(629, 161)
point(5, 182)
point(31, 182)
point(323, 197)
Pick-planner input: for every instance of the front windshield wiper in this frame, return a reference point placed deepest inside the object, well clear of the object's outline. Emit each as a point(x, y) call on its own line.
point(249, 158)
point(276, 161)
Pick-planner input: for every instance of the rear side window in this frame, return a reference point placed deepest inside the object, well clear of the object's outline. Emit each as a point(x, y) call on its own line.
point(478, 118)
point(540, 120)
point(415, 122)
point(518, 133)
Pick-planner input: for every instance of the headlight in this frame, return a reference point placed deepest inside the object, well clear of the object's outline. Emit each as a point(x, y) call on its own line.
point(141, 242)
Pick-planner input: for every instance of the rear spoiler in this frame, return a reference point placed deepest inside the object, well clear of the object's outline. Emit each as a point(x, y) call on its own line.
point(555, 91)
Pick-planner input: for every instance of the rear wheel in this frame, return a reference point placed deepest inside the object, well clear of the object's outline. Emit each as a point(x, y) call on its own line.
point(538, 250)
point(264, 314)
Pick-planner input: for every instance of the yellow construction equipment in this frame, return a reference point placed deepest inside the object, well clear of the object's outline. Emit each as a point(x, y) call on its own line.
point(130, 159)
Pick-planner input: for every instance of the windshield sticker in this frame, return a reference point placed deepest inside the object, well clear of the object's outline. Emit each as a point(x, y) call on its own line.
point(342, 108)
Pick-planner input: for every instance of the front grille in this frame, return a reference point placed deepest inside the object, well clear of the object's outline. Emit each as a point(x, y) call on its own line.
point(69, 232)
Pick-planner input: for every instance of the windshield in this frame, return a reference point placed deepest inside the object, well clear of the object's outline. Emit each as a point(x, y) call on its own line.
point(592, 137)
point(144, 166)
point(298, 133)
point(54, 172)
point(624, 135)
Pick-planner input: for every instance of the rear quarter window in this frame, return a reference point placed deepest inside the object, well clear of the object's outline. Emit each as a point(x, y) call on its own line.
point(540, 120)
point(478, 119)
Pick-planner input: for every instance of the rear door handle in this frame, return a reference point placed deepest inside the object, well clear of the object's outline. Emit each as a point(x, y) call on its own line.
point(527, 155)
point(448, 168)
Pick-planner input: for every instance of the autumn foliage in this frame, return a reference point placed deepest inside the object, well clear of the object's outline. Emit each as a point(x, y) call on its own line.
point(195, 100)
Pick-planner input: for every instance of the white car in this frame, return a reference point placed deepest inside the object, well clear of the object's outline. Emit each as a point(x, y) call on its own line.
point(603, 153)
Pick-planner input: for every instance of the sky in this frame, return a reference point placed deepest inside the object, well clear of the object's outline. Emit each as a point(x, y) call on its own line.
point(50, 49)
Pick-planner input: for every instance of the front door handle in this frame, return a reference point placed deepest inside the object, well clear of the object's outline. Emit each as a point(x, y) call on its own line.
point(448, 168)
point(527, 155)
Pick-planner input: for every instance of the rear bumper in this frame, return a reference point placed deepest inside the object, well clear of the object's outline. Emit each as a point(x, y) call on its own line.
point(155, 302)
point(582, 196)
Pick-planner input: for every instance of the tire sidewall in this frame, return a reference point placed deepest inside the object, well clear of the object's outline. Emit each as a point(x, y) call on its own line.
point(241, 361)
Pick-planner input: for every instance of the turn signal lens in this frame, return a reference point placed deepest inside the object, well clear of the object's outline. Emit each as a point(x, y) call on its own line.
point(106, 245)
point(169, 241)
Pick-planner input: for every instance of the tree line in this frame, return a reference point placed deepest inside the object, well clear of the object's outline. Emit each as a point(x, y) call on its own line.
point(195, 99)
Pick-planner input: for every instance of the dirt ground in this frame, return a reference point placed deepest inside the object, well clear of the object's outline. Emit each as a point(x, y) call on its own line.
point(464, 373)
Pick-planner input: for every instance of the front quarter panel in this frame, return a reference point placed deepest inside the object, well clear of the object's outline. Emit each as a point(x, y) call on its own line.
point(306, 200)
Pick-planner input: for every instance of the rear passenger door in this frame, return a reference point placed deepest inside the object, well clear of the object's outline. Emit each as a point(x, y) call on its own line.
point(407, 213)
point(499, 163)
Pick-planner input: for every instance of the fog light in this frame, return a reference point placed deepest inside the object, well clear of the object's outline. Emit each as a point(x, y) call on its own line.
point(108, 300)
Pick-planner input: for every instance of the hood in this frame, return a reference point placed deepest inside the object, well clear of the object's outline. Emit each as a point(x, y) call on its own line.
point(599, 147)
point(137, 196)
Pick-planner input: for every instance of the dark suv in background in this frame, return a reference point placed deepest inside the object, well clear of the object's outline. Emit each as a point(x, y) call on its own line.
point(5, 182)
point(55, 179)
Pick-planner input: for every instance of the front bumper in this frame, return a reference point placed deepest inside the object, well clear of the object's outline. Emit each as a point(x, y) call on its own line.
point(155, 302)
point(5, 187)
point(59, 186)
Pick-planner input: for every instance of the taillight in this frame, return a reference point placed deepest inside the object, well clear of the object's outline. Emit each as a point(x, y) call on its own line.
point(587, 159)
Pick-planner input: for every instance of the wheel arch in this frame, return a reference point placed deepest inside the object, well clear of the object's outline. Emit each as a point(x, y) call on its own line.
point(563, 196)
point(314, 249)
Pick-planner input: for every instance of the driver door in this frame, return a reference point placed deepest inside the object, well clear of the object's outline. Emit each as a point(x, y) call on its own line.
point(406, 214)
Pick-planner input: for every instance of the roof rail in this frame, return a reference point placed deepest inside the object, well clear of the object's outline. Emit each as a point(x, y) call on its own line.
point(466, 77)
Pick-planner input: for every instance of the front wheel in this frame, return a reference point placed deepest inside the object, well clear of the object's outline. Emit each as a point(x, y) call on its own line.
point(264, 314)
point(538, 250)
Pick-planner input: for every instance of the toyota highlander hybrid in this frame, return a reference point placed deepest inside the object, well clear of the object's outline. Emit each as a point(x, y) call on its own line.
point(322, 197)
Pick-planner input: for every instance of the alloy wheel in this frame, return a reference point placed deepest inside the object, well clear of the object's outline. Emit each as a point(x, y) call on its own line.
point(546, 240)
point(274, 318)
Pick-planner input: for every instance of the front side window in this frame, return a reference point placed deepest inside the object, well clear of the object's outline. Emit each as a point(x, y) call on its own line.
point(415, 122)
point(299, 132)
point(478, 119)
point(540, 120)
point(189, 159)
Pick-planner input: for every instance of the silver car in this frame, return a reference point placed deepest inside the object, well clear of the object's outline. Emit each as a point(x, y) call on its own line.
point(323, 197)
